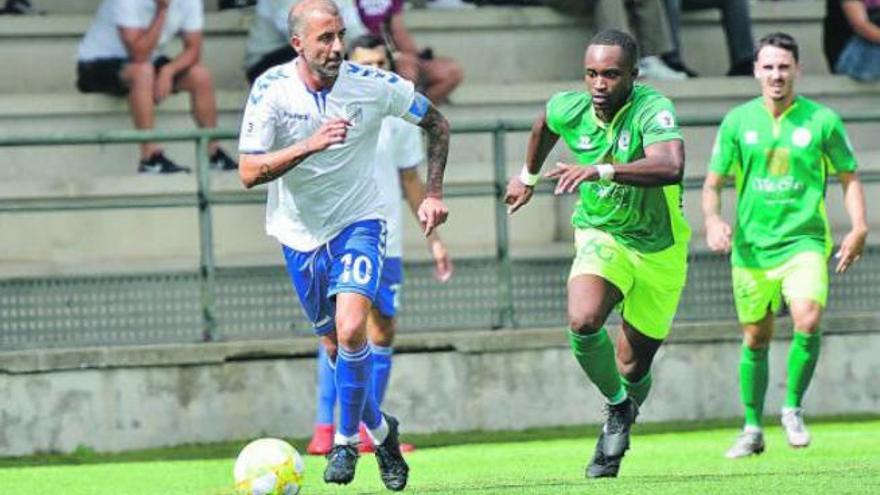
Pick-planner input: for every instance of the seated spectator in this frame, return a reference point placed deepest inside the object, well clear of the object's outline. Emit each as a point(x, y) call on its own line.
point(122, 55)
point(268, 42)
point(437, 77)
point(860, 58)
point(646, 21)
point(737, 29)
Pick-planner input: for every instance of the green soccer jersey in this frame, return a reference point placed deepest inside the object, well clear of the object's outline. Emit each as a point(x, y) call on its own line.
point(781, 165)
point(647, 219)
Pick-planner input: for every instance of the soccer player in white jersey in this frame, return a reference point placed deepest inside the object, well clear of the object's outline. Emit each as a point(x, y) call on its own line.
point(399, 153)
point(310, 130)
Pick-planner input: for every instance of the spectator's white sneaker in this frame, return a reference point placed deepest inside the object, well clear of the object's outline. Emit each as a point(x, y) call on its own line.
point(748, 443)
point(449, 5)
point(795, 429)
point(652, 67)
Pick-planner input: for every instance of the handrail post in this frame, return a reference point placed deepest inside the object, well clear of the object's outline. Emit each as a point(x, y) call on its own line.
point(506, 317)
point(207, 269)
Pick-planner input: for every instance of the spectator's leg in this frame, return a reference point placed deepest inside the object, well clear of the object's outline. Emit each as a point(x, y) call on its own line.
point(647, 18)
point(140, 77)
point(673, 12)
point(738, 29)
point(442, 76)
point(197, 81)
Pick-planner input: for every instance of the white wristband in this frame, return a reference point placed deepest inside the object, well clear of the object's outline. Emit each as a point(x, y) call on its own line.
point(606, 172)
point(528, 178)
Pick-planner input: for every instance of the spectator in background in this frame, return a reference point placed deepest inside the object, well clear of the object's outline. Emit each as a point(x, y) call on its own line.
point(268, 42)
point(122, 54)
point(737, 29)
point(436, 76)
point(860, 58)
point(644, 20)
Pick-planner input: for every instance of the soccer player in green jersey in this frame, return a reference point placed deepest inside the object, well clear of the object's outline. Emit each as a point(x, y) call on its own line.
point(781, 148)
point(630, 235)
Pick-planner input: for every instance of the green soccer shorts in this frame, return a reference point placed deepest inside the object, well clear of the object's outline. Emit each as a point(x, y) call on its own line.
point(757, 290)
point(651, 283)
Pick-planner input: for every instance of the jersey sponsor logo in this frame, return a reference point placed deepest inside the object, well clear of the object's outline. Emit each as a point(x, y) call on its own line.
point(302, 117)
point(665, 119)
point(782, 185)
point(624, 140)
point(751, 137)
point(801, 137)
point(585, 144)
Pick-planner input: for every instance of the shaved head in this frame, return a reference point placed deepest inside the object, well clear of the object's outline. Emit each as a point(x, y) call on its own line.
point(296, 18)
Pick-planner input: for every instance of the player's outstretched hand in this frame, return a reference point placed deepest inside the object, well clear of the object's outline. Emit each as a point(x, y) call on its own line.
point(569, 177)
point(718, 234)
point(331, 132)
point(442, 262)
point(518, 194)
point(432, 213)
point(850, 250)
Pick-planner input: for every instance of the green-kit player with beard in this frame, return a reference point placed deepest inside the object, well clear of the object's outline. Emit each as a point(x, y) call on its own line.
point(630, 234)
point(781, 147)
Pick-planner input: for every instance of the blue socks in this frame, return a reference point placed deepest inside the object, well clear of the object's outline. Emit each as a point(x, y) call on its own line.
point(356, 403)
point(326, 388)
point(381, 371)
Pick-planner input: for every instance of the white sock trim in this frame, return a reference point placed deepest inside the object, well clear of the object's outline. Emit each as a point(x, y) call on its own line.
point(340, 439)
point(380, 433)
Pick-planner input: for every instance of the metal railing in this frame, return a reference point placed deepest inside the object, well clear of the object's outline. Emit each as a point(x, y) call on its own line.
point(205, 198)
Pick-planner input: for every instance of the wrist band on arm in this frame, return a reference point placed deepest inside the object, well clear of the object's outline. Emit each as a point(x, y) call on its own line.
point(527, 177)
point(606, 172)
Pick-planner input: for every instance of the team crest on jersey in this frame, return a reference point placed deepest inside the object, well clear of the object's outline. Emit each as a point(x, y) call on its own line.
point(623, 142)
point(801, 137)
point(585, 144)
point(354, 114)
point(665, 119)
point(751, 137)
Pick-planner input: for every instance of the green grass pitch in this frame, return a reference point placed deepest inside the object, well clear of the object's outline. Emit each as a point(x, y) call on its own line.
point(665, 459)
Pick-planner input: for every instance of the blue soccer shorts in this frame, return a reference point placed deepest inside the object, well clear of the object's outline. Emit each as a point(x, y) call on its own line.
point(351, 262)
point(388, 298)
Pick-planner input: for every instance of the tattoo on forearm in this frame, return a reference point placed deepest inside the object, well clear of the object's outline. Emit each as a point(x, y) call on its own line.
point(438, 149)
point(266, 173)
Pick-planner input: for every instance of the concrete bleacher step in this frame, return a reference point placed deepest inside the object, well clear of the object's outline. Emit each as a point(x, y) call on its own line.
point(494, 44)
point(66, 113)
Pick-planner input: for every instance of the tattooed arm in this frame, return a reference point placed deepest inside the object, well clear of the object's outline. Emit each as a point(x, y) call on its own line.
point(266, 167)
point(432, 211)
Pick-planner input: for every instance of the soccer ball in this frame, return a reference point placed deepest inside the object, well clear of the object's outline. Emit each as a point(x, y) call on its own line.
point(268, 466)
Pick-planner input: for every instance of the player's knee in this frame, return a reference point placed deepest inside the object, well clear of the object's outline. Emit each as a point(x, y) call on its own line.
point(757, 340)
point(351, 331)
point(807, 320)
point(453, 74)
point(587, 322)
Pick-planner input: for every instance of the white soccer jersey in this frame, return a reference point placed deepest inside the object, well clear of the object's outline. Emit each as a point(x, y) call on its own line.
point(102, 39)
point(336, 187)
point(400, 148)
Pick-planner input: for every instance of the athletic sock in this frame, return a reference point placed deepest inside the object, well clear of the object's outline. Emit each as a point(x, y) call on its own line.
point(381, 371)
point(802, 358)
point(379, 433)
point(353, 370)
point(753, 378)
point(638, 390)
point(326, 388)
point(595, 354)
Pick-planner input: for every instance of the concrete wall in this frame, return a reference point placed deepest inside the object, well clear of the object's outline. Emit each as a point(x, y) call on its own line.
point(113, 399)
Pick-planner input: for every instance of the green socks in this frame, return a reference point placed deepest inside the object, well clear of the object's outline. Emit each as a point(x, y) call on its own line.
point(753, 377)
point(595, 354)
point(802, 358)
point(638, 390)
